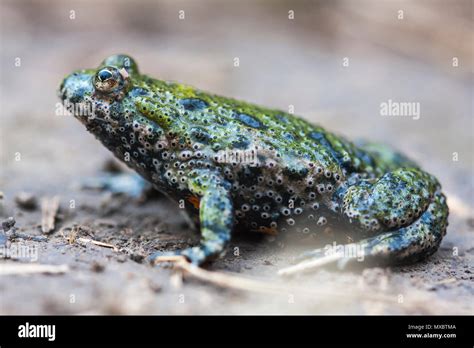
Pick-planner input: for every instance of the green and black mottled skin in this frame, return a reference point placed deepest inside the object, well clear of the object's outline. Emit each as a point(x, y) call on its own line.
point(305, 180)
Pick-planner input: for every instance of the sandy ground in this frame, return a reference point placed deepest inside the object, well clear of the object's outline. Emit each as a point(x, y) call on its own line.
point(282, 62)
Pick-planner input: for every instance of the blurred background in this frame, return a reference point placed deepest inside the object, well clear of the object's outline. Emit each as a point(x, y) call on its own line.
point(291, 53)
point(283, 62)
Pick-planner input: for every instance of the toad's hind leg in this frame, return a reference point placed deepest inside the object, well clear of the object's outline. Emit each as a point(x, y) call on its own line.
point(408, 244)
point(404, 214)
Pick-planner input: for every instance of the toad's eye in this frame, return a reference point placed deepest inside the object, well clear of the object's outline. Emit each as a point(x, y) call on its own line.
point(104, 75)
point(108, 80)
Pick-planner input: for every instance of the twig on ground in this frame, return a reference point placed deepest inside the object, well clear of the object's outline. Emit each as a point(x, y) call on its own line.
point(246, 284)
point(418, 300)
point(309, 265)
point(218, 278)
point(30, 268)
point(72, 238)
point(96, 242)
point(49, 211)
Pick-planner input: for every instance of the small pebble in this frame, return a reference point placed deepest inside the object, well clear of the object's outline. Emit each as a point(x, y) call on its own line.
point(112, 166)
point(97, 267)
point(8, 224)
point(137, 258)
point(26, 201)
point(121, 258)
point(154, 286)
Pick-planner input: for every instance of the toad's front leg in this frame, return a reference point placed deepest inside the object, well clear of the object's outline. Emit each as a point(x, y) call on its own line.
point(215, 214)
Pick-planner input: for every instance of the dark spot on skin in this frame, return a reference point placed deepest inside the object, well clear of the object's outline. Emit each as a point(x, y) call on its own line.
point(78, 95)
point(288, 136)
point(363, 156)
point(193, 104)
point(241, 143)
point(135, 92)
point(294, 172)
point(321, 139)
point(261, 158)
point(200, 135)
point(317, 136)
point(249, 121)
point(303, 171)
point(282, 118)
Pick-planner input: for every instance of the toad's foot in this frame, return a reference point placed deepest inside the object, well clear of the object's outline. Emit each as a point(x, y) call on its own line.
point(130, 184)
